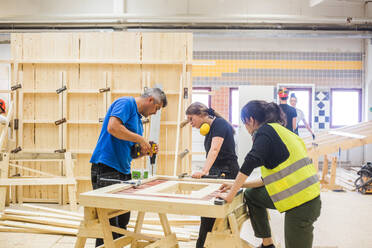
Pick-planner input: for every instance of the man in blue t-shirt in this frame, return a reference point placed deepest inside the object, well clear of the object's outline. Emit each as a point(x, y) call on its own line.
point(121, 129)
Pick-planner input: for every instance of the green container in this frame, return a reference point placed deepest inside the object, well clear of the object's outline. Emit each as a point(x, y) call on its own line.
point(140, 174)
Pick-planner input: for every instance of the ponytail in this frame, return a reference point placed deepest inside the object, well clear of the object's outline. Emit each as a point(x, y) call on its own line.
point(263, 112)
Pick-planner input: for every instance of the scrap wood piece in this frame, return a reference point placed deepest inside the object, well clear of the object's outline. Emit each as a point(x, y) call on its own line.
point(40, 227)
point(42, 220)
point(53, 210)
point(20, 230)
point(41, 214)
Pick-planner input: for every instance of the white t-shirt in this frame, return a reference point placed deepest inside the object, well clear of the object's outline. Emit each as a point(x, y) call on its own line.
point(300, 116)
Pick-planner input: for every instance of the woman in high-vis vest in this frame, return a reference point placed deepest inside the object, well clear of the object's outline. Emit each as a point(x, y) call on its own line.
point(289, 182)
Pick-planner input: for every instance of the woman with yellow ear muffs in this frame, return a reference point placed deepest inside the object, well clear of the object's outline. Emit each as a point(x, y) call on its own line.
point(219, 145)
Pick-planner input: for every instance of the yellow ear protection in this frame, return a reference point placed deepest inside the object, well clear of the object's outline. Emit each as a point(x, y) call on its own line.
point(204, 129)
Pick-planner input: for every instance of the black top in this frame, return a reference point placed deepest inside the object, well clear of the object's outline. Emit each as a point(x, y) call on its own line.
point(267, 150)
point(291, 113)
point(221, 128)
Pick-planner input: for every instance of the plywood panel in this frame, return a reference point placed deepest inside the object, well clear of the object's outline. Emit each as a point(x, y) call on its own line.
point(82, 137)
point(166, 75)
point(40, 137)
point(170, 112)
point(126, 45)
point(127, 78)
point(91, 77)
point(41, 107)
point(50, 46)
point(85, 107)
point(96, 45)
point(164, 46)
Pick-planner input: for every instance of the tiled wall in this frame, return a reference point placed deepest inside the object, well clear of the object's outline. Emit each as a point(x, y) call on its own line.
point(271, 68)
point(322, 110)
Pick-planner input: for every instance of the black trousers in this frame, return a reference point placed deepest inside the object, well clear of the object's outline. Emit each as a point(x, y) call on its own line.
point(206, 224)
point(99, 171)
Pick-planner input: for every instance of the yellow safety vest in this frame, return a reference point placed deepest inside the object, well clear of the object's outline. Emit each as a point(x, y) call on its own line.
point(294, 181)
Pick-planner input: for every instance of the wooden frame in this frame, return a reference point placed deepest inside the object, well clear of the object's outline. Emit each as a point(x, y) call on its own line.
point(41, 178)
point(103, 203)
point(334, 141)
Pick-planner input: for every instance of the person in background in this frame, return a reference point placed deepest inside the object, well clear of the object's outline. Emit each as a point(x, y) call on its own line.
point(289, 111)
point(289, 181)
point(300, 115)
point(121, 130)
point(2, 111)
point(219, 145)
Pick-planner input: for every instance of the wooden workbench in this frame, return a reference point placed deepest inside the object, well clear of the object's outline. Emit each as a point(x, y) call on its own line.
point(161, 195)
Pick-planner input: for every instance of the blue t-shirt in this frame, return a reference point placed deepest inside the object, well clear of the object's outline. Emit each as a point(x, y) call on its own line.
point(112, 151)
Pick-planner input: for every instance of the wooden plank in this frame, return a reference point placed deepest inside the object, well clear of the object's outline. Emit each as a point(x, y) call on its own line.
point(70, 175)
point(138, 226)
point(325, 168)
point(4, 172)
point(106, 228)
point(42, 220)
point(39, 227)
point(36, 213)
point(332, 180)
point(32, 170)
point(52, 210)
point(351, 135)
point(36, 181)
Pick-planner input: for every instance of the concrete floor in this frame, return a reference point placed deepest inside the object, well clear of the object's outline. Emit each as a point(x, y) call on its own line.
point(345, 222)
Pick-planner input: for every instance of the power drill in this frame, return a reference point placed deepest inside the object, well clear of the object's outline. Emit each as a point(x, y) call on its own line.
point(135, 151)
point(153, 148)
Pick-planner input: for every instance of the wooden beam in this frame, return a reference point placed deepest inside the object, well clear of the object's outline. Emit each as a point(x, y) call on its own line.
point(39, 227)
point(36, 181)
point(346, 134)
point(36, 213)
point(52, 210)
point(42, 220)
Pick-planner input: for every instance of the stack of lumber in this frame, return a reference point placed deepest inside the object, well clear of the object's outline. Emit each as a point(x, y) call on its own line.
point(44, 220)
point(37, 219)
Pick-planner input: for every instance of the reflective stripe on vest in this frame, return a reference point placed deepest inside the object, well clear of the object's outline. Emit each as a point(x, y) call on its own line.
point(294, 189)
point(287, 170)
point(293, 182)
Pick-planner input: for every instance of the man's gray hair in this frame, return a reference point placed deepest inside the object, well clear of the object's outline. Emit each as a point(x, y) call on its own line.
point(157, 94)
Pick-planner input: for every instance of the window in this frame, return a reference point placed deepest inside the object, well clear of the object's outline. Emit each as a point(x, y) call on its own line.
point(346, 107)
point(234, 113)
point(304, 103)
point(202, 94)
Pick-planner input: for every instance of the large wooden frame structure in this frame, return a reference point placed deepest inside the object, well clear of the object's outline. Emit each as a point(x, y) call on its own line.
point(104, 203)
point(63, 84)
point(333, 141)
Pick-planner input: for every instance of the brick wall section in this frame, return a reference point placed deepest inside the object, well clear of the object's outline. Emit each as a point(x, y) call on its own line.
point(220, 101)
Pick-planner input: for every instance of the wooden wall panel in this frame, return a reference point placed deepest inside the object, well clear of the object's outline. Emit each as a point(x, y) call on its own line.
point(40, 137)
point(123, 63)
point(50, 46)
point(164, 46)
